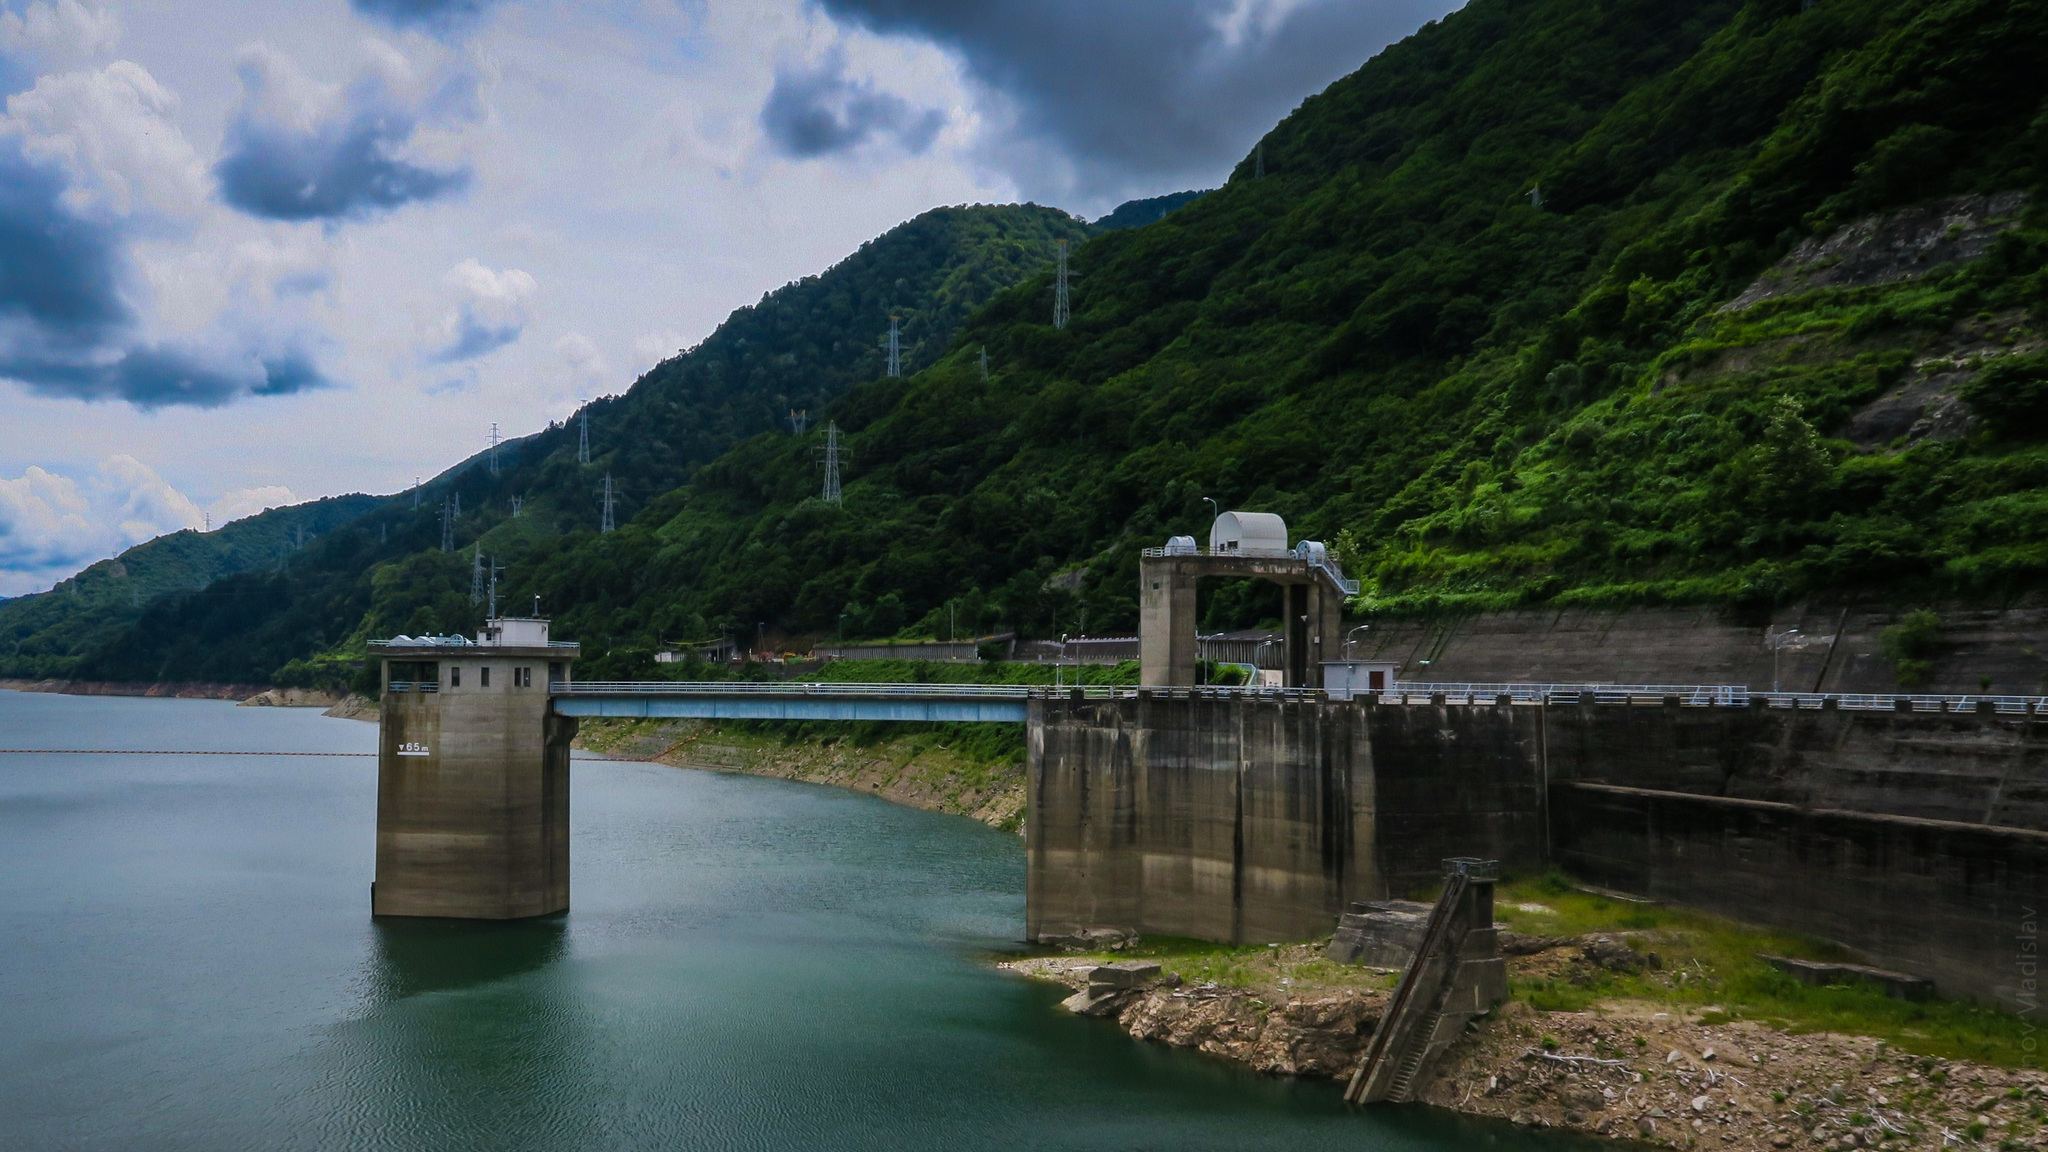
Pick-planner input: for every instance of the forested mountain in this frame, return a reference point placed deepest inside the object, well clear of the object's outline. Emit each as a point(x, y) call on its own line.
point(1556, 301)
point(1138, 213)
point(800, 347)
point(43, 635)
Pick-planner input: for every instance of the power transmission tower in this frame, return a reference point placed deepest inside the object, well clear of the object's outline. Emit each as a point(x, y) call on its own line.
point(415, 493)
point(476, 573)
point(984, 363)
point(1259, 161)
point(458, 503)
point(895, 349)
point(606, 526)
point(583, 437)
point(383, 533)
point(1536, 196)
point(517, 504)
point(1059, 290)
point(832, 452)
point(496, 568)
point(799, 419)
point(447, 528)
point(209, 521)
point(494, 448)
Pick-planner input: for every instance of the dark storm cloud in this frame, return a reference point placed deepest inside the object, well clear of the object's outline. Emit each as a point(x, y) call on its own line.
point(66, 323)
point(162, 376)
point(1140, 90)
point(60, 275)
point(346, 164)
point(432, 15)
point(815, 111)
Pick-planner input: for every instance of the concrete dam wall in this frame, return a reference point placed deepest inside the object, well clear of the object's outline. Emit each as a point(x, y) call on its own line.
point(1919, 840)
point(1803, 648)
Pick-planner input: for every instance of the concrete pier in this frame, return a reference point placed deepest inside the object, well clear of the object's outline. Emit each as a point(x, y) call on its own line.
point(473, 776)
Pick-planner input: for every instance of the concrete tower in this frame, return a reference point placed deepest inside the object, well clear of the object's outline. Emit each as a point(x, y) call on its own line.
point(473, 775)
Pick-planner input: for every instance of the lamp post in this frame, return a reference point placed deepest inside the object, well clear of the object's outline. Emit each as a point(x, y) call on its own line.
point(1215, 512)
point(1789, 638)
point(1349, 654)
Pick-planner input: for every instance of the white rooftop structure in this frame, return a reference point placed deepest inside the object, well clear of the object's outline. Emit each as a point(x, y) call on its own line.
point(1248, 532)
point(514, 632)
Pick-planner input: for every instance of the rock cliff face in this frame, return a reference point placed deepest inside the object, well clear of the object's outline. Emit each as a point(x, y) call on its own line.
point(1885, 249)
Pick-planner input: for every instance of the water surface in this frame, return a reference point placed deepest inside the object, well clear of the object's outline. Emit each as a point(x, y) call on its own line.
point(189, 963)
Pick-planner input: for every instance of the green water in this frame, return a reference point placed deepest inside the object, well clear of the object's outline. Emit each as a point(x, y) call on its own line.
point(189, 963)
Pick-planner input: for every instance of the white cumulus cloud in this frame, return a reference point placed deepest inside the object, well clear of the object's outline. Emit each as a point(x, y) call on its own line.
point(112, 131)
point(491, 310)
point(51, 525)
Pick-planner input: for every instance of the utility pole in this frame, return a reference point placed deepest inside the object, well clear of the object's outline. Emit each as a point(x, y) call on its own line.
point(895, 349)
point(476, 573)
point(494, 448)
point(799, 419)
point(583, 436)
point(1059, 290)
point(832, 495)
point(607, 525)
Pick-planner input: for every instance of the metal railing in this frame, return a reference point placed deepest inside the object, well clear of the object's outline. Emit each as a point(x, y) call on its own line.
point(1326, 563)
point(414, 686)
point(1401, 692)
point(1711, 695)
point(1526, 692)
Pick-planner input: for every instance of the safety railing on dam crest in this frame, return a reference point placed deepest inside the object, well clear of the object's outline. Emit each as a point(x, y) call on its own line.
point(1006, 701)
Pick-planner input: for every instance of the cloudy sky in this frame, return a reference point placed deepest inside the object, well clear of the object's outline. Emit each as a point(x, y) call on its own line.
point(259, 251)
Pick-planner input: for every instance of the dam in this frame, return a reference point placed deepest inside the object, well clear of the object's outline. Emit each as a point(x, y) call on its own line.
point(1910, 829)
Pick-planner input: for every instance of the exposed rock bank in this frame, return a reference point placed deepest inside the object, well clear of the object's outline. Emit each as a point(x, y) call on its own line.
point(181, 690)
point(1658, 1074)
point(919, 771)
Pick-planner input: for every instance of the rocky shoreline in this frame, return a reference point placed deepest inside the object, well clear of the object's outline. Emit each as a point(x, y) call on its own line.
point(179, 690)
point(911, 771)
point(1653, 1073)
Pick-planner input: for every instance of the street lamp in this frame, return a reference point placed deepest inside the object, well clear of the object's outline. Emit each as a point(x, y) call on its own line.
point(1349, 641)
point(1789, 638)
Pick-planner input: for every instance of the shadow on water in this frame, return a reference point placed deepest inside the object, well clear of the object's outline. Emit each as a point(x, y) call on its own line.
point(413, 956)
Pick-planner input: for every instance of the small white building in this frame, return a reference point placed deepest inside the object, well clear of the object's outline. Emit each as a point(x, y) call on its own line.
point(1249, 532)
point(1344, 679)
point(514, 632)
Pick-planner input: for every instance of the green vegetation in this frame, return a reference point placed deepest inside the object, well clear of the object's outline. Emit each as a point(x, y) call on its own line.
point(45, 636)
point(1469, 326)
point(1910, 644)
point(1709, 965)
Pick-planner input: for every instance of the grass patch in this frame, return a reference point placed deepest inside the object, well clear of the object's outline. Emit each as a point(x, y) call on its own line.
point(1710, 965)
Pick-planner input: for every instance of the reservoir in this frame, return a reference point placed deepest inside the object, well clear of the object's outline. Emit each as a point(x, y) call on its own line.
point(190, 963)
